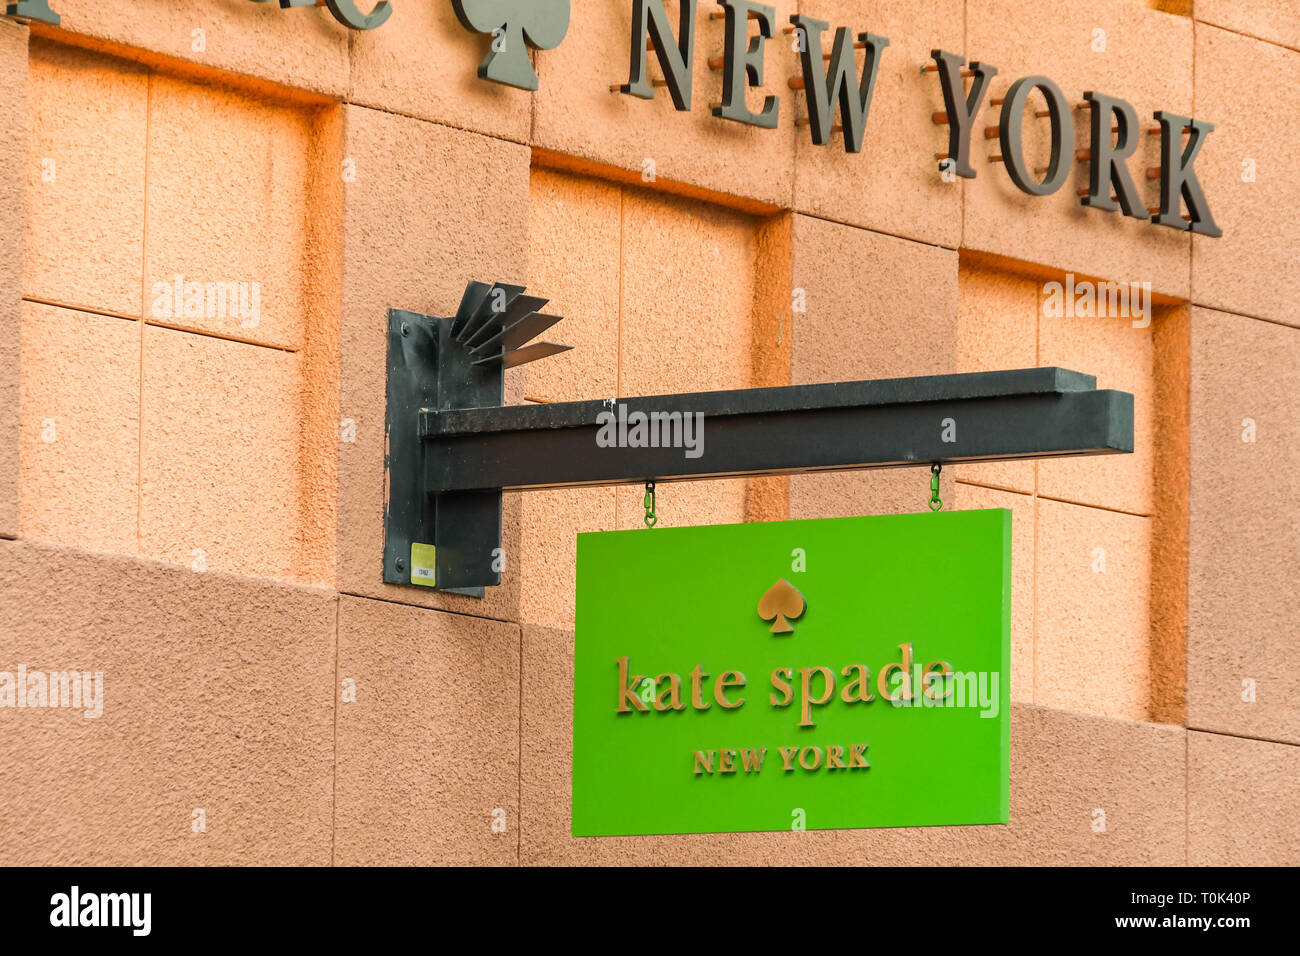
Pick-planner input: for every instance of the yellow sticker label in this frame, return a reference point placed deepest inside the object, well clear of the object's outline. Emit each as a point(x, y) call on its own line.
point(422, 564)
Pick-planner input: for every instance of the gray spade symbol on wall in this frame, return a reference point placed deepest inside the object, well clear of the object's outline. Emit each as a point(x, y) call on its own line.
point(780, 604)
point(541, 24)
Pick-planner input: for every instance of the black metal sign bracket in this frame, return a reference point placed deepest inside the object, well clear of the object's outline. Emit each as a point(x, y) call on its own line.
point(454, 447)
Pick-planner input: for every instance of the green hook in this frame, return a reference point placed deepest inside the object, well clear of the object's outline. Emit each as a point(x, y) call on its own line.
point(650, 517)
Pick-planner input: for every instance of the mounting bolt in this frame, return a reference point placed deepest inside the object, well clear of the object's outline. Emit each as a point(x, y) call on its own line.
point(400, 564)
point(406, 330)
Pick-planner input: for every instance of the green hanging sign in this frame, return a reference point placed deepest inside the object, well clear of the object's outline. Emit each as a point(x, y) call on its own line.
point(823, 674)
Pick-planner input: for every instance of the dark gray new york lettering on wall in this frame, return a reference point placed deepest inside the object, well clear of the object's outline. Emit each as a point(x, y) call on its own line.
point(832, 84)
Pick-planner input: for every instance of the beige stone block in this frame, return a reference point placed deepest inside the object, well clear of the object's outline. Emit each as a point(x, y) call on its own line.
point(85, 199)
point(1277, 21)
point(219, 459)
point(551, 523)
point(1247, 170)
point(229, 212)
point(1092, 644)
point(575, 234)
point(971, 497)
point(688, 295)
point(1091, 791)
point(216, 696)
point(427, 755)
point(1241, 799)
point(79, 448)
point(301, 47)
point(877, 306)
point(1244, 524)
point(13, 145)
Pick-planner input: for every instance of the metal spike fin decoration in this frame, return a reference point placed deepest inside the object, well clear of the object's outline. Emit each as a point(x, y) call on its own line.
point(496, 322)
point(527, 329)
point(529, 353)
point(474, 295)
point(493, 305)
point(490, 333)
point(516, 333)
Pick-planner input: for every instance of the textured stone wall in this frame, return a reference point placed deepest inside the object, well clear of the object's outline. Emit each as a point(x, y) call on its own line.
point(193, 504)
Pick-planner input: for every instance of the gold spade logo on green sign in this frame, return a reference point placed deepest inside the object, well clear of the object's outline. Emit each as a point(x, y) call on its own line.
point(781, 603)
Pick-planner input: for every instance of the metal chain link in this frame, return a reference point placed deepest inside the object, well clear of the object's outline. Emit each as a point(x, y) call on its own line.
point(935, 501)
point(650, 517)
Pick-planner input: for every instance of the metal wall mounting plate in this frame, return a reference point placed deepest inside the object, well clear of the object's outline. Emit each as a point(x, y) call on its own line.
point(450, 542)
point(412, 519)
